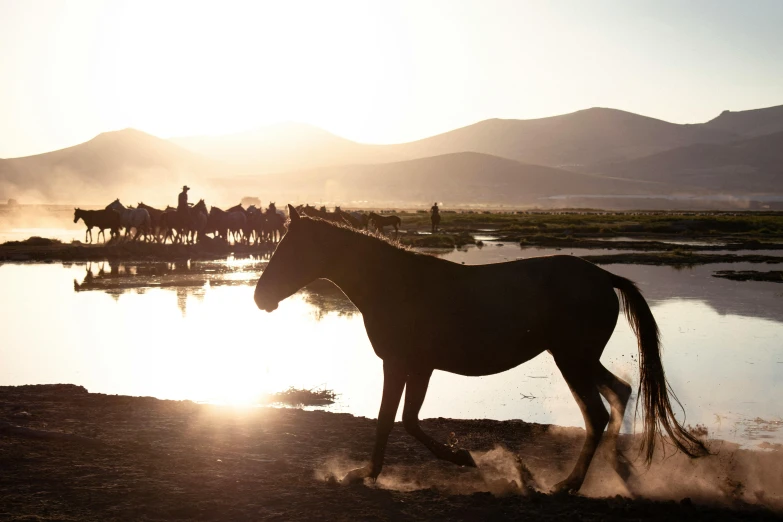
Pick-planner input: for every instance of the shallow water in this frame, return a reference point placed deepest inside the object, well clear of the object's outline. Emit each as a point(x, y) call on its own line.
point(192, 331)
point(684, 242)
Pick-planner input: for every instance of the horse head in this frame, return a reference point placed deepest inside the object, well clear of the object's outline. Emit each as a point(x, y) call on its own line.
point(77, 213)
point(298, 260)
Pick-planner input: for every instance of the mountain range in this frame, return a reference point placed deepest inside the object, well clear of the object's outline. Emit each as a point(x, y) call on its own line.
point(596, 151)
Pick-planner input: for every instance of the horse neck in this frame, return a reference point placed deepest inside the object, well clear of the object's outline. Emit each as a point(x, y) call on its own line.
point(361, 266)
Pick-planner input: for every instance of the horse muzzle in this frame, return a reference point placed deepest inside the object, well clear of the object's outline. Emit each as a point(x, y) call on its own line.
point(267, 305)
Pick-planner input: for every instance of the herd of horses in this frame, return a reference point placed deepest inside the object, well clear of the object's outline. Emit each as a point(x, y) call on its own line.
point(238, 224)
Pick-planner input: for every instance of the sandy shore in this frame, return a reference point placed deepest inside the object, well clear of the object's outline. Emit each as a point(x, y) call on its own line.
point(66, 454)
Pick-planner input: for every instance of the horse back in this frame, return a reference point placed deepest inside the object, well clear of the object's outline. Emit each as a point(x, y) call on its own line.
point(445, 314)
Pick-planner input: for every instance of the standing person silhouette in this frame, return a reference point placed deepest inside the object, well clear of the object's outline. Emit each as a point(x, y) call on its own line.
point(435, 217)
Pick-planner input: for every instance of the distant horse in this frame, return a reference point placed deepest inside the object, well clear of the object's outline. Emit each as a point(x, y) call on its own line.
point(175, 225)
point(103, 219)
point(223, 223)
point(155, 214)
point(183, 227)
point(350, 218)
point(379, 221)
point(137, 218)
point(247, 232)
point(274, 224)
point(199, 215)
point(322, 213)
point(363, 218)
point(256, 221)
point(507, 313)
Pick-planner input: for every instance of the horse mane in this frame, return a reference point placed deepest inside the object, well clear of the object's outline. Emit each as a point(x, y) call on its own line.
point(376, 237)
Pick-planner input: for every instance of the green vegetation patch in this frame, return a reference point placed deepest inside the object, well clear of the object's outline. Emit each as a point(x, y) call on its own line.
point(772, 276)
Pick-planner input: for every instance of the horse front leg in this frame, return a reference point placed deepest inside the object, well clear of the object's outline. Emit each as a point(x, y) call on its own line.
point(415, 390)
point(393, 384)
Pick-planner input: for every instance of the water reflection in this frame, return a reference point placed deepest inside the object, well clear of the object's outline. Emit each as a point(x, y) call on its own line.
point(192, 278)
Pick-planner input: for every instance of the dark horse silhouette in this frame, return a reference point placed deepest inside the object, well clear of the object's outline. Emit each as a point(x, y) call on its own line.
point(508, 313)
point(379, 221)
point(155, 215)
point(102, 219)
point(274, 223)
point(222, 223)
point(183, 226)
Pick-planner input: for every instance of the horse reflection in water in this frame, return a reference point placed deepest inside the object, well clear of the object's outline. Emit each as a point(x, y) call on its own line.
point(507, 313)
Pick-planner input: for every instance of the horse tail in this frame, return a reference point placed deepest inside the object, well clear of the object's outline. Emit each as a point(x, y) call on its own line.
point(654, 389)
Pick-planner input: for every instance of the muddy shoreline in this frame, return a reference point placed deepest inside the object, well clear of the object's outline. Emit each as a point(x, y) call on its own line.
point(120, 458)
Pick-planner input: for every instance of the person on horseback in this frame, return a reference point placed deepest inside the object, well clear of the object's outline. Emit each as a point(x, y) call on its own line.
point(435, 216)
point(182, 202)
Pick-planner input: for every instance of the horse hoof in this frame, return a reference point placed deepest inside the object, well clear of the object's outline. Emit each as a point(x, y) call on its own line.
point(356, 476)
point(464, 458)
point(566, 487)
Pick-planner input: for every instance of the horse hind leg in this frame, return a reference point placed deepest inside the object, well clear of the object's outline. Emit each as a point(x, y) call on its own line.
point(415, 391)
point(617, 392)
point(581, 379)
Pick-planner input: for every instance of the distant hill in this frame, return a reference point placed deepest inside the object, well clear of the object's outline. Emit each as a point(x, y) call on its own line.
point(129, 164)
point(459, 178)
point(286, 146)
point(604, 141)
point(571, 140)
point(752, 165)
point(591, 152)
point(756, 122)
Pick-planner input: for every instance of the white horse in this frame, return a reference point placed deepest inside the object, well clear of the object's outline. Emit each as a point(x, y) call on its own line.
point(137, 218)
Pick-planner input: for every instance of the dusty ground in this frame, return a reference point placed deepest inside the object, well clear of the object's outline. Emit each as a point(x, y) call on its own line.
point(134, 458)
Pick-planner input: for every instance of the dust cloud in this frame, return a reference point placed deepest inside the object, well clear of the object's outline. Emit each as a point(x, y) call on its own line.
point(730, 477)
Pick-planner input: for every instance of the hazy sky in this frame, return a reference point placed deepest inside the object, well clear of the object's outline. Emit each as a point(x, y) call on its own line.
point(372, 71)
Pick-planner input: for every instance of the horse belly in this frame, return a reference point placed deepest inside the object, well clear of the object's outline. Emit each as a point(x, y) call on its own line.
point(493, 327)
point(485, 347)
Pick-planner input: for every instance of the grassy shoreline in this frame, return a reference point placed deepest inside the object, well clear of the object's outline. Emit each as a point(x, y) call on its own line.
point(674, 236)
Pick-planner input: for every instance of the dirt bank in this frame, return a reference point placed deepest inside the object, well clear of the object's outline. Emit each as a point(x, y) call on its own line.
point(141, 458)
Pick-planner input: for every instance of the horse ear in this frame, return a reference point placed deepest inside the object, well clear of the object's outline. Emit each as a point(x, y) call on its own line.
point(293, 214)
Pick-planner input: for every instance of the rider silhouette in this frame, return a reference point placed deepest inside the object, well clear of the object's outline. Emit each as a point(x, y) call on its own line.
point(182, 201)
